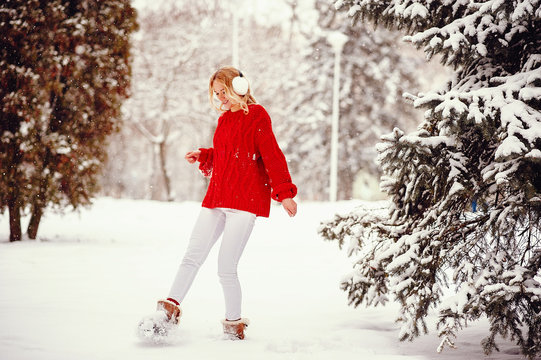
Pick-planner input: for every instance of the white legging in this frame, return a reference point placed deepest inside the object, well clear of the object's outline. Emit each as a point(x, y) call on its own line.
point(236, 226)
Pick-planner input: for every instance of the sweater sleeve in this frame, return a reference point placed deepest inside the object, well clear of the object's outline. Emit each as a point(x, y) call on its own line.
point(205, 161)
point(274, 160)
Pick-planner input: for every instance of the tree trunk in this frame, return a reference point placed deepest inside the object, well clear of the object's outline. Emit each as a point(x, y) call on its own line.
point(15, 233)
point(39, 201)
point(163, 170)
point(37, 212)
point(345, 185)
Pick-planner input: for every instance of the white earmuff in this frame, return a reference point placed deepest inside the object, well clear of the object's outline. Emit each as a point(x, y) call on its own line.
point(240, 84)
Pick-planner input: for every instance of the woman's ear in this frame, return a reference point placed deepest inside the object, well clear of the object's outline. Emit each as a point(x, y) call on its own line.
point(240, 85)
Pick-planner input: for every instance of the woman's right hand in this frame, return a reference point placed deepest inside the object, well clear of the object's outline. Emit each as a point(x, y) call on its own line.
point(192, 156)
point(290, 206)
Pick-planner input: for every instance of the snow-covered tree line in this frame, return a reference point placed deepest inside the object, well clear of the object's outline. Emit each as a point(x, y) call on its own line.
point(465, 187)
point(168, 112)
point(375, 71)
point(178, 47)
point(64, 70)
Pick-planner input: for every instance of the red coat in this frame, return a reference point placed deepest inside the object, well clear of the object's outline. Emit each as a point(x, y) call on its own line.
point(245, 164)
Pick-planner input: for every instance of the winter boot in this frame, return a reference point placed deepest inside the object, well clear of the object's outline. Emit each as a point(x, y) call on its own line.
point(171, 309)
point(234, 330)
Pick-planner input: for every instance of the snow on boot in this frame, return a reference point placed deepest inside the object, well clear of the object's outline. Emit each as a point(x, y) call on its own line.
point(234, 330)
point(171, 309)
point(157, 328)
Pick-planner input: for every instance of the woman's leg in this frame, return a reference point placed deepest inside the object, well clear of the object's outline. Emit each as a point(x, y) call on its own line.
point(207, 230)
point(237, 230)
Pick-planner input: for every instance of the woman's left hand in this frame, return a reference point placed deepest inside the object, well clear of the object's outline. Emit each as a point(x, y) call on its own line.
point(290, 206)
point(193, 156)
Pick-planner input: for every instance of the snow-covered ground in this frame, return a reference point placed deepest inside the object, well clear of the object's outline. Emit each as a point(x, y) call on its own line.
point(79, 291)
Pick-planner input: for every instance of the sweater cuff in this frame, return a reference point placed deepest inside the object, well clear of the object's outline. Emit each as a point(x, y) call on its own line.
point(284, 191)
point(203, 157)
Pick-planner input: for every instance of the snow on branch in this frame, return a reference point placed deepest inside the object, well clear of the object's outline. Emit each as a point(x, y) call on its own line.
point(470, 28)
point(465, 187)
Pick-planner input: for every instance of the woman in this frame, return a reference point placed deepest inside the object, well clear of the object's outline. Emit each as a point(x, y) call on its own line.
point(246, 169)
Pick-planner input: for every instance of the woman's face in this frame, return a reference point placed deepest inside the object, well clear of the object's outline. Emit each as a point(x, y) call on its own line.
point(219, 91)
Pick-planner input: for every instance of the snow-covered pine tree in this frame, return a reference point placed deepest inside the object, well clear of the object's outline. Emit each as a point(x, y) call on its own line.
point(374, 74)
point(465, 187)
point(65, 67)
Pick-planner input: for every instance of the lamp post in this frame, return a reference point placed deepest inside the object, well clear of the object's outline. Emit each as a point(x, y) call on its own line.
point(337, 41)
point(235, 40)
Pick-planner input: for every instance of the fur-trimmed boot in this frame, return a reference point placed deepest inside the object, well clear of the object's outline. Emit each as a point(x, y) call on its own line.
point(171, 309)
point(234, 330)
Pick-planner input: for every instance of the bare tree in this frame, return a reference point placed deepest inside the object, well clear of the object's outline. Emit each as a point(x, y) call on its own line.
point(168, 111)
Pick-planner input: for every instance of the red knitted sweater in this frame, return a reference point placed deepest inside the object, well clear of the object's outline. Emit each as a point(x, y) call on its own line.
point(245, 164)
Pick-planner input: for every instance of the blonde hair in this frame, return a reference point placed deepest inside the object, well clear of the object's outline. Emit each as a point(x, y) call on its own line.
point(225, 76)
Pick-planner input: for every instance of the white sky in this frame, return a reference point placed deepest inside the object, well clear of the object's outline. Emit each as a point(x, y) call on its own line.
point(268, 11)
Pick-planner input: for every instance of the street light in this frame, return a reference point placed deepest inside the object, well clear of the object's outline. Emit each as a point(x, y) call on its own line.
point(337, 41)
point(235, 40)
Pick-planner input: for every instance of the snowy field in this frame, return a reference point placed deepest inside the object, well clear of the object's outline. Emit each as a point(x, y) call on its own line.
point(79, 291)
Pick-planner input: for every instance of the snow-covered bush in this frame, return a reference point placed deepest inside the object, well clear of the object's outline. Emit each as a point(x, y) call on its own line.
point(465, 187)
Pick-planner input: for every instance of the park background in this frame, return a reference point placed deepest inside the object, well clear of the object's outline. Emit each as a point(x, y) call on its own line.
point(101, 108)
